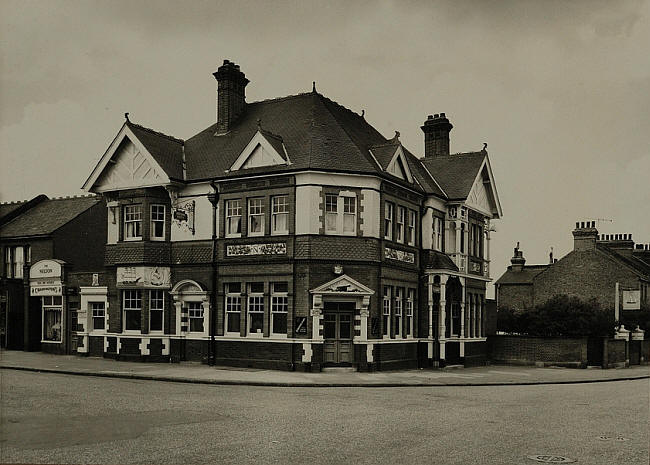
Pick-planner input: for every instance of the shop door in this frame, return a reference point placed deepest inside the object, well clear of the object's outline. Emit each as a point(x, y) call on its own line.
point(337, 334)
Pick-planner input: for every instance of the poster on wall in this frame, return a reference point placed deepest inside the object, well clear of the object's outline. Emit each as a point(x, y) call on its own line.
point(144, 276)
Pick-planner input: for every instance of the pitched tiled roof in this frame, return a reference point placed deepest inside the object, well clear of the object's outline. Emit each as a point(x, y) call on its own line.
point(438, 261)
point(6, 208)
point(455, 173)
point(524, 276)
point(167, 150)
point(640, 266)
point(384, 153)
point(47, 216)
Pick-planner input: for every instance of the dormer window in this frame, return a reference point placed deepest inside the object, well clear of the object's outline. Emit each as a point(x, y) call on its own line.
point(132, 222)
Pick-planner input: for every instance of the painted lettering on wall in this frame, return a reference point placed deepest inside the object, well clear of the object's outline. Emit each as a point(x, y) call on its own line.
point(400, 255)
point(278, 248)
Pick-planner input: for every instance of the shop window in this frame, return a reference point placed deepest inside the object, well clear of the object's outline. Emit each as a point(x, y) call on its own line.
point(233, 218)
point(195, 313)
point(279, 308)
point(410, 298)
point(455, 319)
point(386, 311)
point(388, 221)
point(15, 261)
point(340, 214)
point(399, 230)
point(256, 308)
point(233, 307)
point(132, 308)
point(410, 233)
point(98, 310)
point(156, 309)
point(399, 295)
point(256, 217)
point(132, 222)
point(52, 318)
point(280, 214)
point(158, 222)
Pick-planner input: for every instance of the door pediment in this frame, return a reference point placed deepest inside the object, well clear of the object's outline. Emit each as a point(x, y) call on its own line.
point(343, 285)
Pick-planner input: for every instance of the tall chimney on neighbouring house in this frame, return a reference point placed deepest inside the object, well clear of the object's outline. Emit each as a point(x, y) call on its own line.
point(584, 236)
point(436, 135)
point(518, 261)
point(231, 95)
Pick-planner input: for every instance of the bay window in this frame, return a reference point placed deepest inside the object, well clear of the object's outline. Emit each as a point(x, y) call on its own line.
point(255, 308)
point(157, 222)
point(279, 308)
point(132, 222)
point(331, 212)
point(233, 218)
point(98, 310)
point(132, 309)
point(256, 217)
point(388, 221)
point(437, 234)
point(280, 214)
point(156, 309)
point(52, 318)
point(233, 307)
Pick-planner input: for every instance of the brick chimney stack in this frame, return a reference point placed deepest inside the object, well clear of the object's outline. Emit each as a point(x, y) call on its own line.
point(436, 135)
point(622, 243)
point(585, 236)
point(231, 95)
point(518, 261)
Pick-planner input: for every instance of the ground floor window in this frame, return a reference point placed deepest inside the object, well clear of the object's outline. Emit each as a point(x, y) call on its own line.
point(279, 308)
point(256, 308)
point(410, 298)
point(455, 319)
point(399, 295)
point(386, 311)
point(98, 310)
point(132, 308)
point(156, 309)
point(195, 313)
point(233, 307)
point(52, 318)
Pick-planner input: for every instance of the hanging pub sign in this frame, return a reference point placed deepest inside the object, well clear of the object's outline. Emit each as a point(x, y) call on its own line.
point(632, 300)
point(144, 276)
point(45, 278)
point(183, 215)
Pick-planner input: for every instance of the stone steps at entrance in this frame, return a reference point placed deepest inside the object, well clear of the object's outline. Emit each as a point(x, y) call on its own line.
point(338, 369)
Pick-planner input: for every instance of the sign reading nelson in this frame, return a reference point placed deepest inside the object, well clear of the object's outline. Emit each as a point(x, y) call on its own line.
point(45, 278)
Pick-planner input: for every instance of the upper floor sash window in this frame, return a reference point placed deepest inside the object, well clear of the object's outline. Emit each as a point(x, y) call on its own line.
point(132, 222)
point(280, 214)
point(340, 214)
point(388, 221)
point(256, 217)
point(158, 222)
point(410, 232)
point(233, 218)
point(401, 218)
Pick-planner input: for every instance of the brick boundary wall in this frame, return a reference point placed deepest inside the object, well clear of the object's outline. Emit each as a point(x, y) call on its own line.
point(524, 350)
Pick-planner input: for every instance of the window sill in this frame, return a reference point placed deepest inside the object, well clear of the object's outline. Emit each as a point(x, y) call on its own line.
point(279, 233)
point(132, 239)
point(50, 342)
point(278, 335)
point(132, 332)
point(256, 235)
point(227, 334)
point(157, 239)
point(255, 335)
point(233, 236)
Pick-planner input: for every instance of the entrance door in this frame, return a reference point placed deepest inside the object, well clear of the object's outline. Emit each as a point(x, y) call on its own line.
point(337, 333)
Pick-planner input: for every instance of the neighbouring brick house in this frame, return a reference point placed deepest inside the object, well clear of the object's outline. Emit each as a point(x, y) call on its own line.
point(291, 234)
point(598, 266)
point(49, 247)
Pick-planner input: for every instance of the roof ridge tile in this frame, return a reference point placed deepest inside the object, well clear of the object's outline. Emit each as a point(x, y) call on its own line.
point(157, 133)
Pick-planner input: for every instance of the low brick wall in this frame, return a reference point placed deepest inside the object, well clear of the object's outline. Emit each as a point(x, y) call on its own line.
point(524, 350)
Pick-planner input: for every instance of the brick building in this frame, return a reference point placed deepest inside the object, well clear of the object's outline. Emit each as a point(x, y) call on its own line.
point(291, 234)
point(49, 247)
point(609, 268)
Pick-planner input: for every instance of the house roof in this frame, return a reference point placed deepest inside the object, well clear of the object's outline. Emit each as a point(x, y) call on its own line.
point(639, 266)
point(436, 260)
point(9, 207)
point(47, 216)
point(524, 276)
point(166, 150)
point(455, 173)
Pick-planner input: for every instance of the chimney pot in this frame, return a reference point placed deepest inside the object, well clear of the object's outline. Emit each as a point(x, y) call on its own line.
point(436, 135)
point(577, 225)
point(442, 115)
point(430, 117)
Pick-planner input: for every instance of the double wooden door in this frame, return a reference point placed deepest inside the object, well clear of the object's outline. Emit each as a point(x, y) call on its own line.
point(338, 327)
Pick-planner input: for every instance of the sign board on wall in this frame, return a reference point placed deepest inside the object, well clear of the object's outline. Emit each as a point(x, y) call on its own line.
point(632, 300)
point(144, 276)
point(183, 215)
point(278, 248)
point(400, 255)
point(45, 278)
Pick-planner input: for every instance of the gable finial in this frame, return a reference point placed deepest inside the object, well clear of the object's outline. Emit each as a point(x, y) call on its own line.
point(484, 147)
point(259, 124)
point(126, 117)
point(396, 138)
point(363, 112)
point(313, 86)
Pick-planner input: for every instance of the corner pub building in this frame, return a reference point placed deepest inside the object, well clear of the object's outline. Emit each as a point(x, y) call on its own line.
point(291, 234)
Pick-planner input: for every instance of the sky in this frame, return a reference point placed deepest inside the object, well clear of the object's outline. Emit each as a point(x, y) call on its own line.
point(560, 91)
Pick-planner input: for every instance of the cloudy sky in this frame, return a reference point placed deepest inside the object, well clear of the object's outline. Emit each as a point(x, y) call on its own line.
point(560, 91)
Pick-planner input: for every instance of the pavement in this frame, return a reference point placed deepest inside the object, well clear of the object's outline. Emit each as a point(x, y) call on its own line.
point(191, 372)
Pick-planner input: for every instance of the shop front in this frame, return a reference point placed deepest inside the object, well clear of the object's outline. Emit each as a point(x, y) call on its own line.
point(46, 291)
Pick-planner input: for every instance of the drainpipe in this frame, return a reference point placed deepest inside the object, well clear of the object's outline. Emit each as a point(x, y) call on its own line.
point(213, 197)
